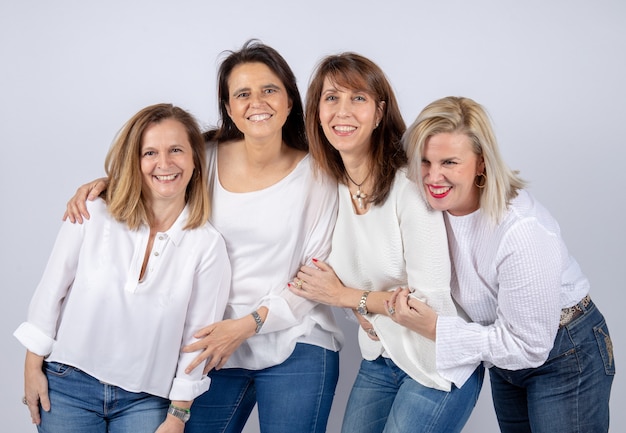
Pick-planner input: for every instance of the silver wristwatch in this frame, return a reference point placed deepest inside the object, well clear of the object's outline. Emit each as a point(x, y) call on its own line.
point(257, 319)
point(362, 308)
point(180, 413)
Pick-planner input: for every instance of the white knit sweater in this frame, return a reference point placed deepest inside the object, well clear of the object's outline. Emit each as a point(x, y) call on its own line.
point(399, 244)
point(512, 279)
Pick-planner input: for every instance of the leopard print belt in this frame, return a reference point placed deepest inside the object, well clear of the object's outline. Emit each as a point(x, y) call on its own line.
point(571, 313)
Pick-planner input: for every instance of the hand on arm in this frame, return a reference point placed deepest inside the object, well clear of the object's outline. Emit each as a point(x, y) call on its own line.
point(367, 326)
point(412, 313)
point(321, 284)
point(76, 208)
point(35, 386)
point(219, 340)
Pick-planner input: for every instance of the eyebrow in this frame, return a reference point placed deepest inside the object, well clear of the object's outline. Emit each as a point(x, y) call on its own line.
point(265, 86)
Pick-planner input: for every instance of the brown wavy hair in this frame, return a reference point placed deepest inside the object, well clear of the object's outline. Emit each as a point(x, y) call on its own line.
point(354, 71)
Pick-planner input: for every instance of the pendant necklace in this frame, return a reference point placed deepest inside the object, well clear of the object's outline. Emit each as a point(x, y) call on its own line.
point(358, 196)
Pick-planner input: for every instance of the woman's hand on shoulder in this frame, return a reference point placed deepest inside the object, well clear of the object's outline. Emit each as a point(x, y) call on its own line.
point(412, 313)
point(76, 206)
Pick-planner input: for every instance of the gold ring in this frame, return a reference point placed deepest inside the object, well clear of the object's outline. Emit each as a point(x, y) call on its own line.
point(24, 401)
point(298, 283)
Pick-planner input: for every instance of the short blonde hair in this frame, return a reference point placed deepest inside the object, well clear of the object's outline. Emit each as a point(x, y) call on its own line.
point(465, 116)
point(124, 197)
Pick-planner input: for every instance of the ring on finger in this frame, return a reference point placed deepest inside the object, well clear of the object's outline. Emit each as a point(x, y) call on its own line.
point(298, 283)
point(392, 311)
point(24, 401)
point(372, 332)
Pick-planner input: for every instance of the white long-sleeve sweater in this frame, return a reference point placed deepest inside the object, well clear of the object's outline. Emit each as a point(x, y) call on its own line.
point(512, 279)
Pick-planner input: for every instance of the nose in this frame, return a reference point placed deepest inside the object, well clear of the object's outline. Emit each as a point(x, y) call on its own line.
point(256, 99)
point(344, 108)
point(433, 173)
point(164, 160)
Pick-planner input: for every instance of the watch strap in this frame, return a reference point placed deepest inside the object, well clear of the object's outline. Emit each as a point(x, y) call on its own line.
point(257, 319)
point(179, 412)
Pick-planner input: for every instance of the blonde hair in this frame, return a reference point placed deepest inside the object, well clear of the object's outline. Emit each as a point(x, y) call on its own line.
point(125, 201)
point(465, 116)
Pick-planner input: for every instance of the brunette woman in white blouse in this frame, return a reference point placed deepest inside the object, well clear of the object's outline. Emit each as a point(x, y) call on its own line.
point(533, 321)
point(125, 290)
point(272, 348)
point(385, 237)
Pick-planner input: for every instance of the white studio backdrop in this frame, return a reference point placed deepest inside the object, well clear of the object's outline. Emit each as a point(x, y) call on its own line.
point(551, 74)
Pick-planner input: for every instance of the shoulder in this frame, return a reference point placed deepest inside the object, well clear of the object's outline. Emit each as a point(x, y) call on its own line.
point(406, 191)
point(526, 209)
point(97, 209)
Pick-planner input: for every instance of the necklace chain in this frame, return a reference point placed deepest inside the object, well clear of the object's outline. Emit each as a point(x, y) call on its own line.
point(358, 196)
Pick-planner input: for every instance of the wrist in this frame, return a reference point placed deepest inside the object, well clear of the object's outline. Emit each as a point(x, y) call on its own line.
point(258, 321)
point(361, 307)
point(181, 413)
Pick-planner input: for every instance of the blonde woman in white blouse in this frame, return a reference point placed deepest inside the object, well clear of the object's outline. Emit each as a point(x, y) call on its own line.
point(123, 292)
point(532, 320)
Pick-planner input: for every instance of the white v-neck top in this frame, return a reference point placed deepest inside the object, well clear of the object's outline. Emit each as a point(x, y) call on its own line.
point(91, 311)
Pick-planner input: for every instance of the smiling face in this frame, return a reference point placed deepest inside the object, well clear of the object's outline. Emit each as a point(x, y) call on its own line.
point(449, 168)
point(348, 117)
point(166, 161)
point(258, 103)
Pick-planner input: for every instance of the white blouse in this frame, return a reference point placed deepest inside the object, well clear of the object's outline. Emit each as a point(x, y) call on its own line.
point(401, 243)
point(269, 235)
point(91, 311)
point(512, 279)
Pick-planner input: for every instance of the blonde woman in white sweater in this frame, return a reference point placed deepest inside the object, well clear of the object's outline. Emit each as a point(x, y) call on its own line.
point(385, 237)
point(533, 321)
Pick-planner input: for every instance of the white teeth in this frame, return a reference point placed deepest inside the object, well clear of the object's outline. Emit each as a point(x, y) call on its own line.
point(169, 177)
point(343, 128)
point(259, 117)
point(440, 190)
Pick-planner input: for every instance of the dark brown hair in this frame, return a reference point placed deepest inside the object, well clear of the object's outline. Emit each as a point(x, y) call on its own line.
point(254, 51)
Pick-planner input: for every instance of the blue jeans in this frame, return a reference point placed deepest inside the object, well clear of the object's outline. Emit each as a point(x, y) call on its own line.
point(385, 399)
point(80, 403)
point(570, 392)
point(293, 397)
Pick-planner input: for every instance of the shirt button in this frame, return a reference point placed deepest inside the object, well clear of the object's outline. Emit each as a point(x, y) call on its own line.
point(161, 237)
point(156, 253)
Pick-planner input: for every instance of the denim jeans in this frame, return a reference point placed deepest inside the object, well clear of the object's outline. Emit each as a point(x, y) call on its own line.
point(80, 403)
point(292, 397)
point(569, 393)
point(385, 399)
